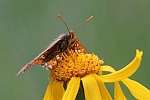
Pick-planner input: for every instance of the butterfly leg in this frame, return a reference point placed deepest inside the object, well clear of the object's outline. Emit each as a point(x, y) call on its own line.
point(70, 52)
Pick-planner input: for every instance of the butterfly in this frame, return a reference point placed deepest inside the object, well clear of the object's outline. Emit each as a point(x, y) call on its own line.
point(50, 57)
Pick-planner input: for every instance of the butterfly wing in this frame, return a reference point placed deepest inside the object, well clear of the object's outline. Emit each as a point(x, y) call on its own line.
point(78, 47)
point(47, 55)
point(50, 57)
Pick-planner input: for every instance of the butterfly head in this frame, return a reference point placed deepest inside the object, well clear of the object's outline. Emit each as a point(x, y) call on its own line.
point(71, 37)
point(71, 34)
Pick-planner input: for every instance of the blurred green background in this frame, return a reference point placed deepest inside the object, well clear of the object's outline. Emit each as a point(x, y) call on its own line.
point(27, 27)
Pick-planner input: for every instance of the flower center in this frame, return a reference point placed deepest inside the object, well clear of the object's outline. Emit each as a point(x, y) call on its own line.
point(76, 64)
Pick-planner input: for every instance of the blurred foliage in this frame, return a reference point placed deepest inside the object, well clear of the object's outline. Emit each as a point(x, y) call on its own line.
point(28, 26)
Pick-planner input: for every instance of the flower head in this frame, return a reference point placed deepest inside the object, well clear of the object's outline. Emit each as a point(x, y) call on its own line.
point(76, 67)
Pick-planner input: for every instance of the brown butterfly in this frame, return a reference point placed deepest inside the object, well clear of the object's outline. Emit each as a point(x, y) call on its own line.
point(50, 57)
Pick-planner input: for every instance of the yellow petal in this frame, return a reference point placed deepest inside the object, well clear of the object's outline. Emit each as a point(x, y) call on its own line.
point(107, 68)
point(126, 71)
point(72, 89)
point(118, 93)
point(91, 89)
point(54, 88)
point(103, 90)
point(137, 90)
point(58, 89)
point(48, 92)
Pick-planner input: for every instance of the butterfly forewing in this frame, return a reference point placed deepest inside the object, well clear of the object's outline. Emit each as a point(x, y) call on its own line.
point(78, 47)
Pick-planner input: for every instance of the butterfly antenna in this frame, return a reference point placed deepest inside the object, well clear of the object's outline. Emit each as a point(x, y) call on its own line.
point(83, 22)
point(60, 17)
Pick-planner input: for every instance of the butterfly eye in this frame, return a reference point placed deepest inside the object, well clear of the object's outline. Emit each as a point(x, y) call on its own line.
point(69, 35)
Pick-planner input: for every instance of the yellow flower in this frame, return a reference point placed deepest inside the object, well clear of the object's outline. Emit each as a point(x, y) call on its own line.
point(85, 68)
